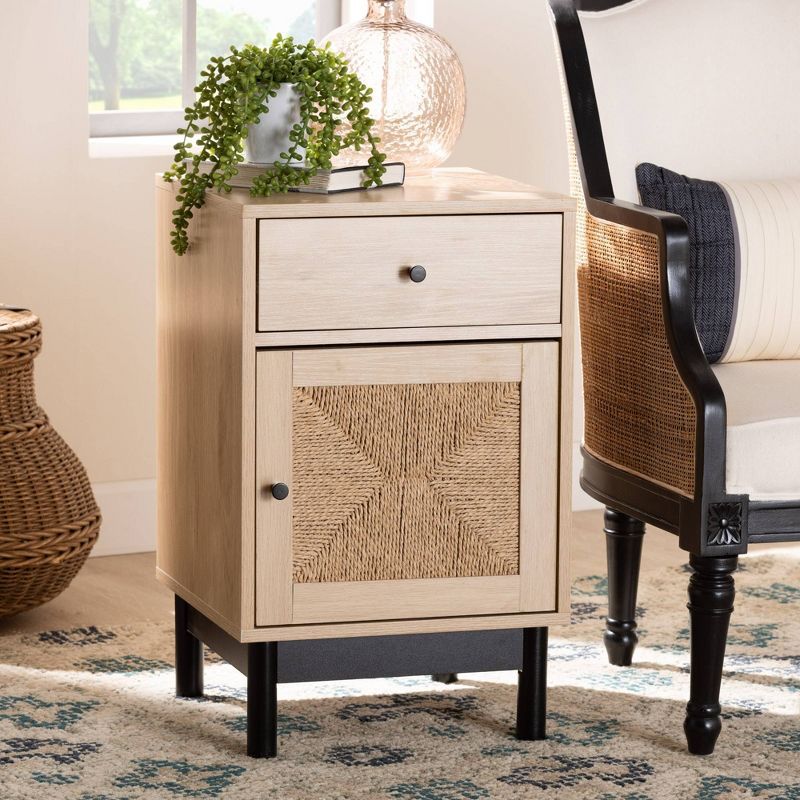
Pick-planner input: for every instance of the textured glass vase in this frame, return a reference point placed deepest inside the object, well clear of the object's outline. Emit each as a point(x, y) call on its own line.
point(419, 96)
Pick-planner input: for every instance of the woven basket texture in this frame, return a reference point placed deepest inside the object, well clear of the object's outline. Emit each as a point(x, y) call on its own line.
point(49, 519)
point(396, 482)
point(639, 415)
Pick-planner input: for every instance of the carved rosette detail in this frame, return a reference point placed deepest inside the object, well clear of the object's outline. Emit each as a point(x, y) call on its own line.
point(724, 524)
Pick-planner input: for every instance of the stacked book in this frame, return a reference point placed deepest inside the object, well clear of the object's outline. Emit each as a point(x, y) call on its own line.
point(326, 181)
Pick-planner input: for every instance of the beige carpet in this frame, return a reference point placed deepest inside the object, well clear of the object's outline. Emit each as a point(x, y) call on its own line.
point(89, 713)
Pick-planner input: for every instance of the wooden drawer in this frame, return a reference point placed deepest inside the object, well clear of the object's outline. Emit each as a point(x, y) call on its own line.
point(423, 482)
point(335, 274)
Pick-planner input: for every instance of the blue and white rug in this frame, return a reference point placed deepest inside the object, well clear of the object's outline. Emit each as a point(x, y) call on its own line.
point(90, 714)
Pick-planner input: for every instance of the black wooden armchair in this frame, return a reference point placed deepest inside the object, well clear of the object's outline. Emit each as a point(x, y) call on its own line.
point(709, 88)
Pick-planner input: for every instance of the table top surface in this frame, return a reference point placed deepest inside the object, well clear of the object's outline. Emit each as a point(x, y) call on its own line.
point(437, 191)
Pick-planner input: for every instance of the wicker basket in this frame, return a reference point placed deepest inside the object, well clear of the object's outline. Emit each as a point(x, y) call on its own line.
point(49, 519)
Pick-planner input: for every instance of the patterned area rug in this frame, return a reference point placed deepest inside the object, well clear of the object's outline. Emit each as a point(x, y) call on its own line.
point(90, 714)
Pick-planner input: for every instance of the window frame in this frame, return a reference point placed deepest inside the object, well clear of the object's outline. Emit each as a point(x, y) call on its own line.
point(166, 121)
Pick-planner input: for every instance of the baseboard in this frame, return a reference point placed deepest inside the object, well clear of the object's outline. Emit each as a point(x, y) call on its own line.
point(129, 517)
point(580, 500)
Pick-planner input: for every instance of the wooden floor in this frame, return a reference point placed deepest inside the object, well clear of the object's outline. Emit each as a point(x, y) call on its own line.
point(122, 590)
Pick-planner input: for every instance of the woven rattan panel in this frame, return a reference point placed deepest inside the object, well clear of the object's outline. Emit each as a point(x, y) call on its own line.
point(405, 481)
point(639, 414)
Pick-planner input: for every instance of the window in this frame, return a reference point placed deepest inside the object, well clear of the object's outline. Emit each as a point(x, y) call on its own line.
point(145, 56)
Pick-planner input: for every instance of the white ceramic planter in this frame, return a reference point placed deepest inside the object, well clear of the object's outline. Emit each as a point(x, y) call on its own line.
point(269, 137)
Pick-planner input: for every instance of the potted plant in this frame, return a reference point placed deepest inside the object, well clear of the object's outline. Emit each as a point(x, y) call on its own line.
point(232, 96)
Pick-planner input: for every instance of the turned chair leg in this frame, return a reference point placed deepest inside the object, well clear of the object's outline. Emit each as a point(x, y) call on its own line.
point(532, 691)
point(188, 655)
point(711, 593)
point(445, 677)
point(262, 699)
point(624, 536)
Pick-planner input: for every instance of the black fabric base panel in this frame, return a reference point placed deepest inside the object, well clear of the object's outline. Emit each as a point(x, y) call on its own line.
point(373, 656)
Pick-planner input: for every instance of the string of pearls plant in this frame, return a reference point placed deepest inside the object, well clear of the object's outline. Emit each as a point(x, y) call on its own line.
point(234, 92)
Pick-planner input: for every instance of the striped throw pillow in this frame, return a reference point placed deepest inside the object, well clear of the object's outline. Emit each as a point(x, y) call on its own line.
point(744, 260)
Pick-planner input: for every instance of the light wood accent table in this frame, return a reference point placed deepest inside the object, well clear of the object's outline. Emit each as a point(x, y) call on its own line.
point(364, 433)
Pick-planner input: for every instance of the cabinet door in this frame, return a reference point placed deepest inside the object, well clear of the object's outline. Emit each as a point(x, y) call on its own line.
point(422, 482)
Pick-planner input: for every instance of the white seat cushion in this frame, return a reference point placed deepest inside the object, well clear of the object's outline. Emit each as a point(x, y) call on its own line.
point(763, 451)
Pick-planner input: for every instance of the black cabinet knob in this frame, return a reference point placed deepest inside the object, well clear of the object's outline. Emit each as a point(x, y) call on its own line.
point(417, 273)
point(280, 491)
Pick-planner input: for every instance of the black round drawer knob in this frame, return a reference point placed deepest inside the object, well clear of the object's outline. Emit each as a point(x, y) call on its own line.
point(417, 273)
point(280, 491)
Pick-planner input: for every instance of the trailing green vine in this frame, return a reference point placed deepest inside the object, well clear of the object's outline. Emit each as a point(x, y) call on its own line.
point(234, 92)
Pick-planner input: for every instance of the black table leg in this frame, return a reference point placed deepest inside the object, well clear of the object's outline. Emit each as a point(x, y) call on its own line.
point(262, 699)
point(188, 655)
point(444, 677)
point(532, 691)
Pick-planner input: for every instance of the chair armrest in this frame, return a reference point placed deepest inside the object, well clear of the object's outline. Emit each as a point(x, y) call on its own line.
point(653, 405)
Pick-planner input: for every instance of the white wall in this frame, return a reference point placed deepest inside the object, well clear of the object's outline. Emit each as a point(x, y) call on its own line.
point(514, 125)
point(76, 245)
point(76, 233)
